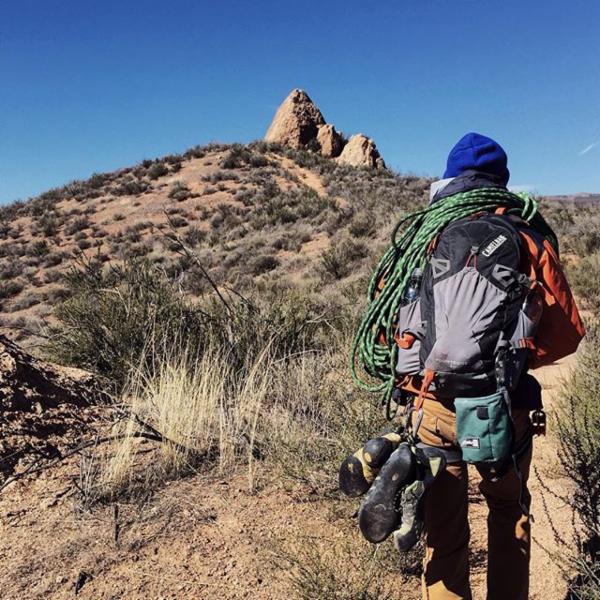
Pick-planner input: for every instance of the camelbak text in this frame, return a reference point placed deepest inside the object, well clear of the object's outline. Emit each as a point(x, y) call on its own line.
point(494, 245)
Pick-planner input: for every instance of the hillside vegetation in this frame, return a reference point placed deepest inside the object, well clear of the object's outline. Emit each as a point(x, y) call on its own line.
point(253, 215)
point(217, 292)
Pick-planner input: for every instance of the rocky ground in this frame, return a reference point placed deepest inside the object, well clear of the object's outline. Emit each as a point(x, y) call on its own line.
point(208, 537)
point(44, 410)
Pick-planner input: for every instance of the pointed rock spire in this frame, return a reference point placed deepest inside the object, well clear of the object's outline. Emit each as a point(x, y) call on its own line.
point(296, 121)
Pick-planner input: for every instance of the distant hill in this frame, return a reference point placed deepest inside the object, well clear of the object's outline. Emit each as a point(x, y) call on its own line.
point(579, 197)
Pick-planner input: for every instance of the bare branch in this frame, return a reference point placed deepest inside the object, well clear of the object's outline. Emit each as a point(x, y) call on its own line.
point(189, 252)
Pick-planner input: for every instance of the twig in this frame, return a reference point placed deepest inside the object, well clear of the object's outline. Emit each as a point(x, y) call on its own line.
point(189, 252)
point(33, 468)
point(116, 523)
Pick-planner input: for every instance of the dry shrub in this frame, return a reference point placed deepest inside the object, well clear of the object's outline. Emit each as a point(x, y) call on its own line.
point(577, 423)
point(345, 568)
point(342, 258)
point(316, 417)
point(585, 277)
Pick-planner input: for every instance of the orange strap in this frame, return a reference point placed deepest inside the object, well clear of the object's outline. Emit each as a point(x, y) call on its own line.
point(406, 341)
point(528, 343)
point(428, 375)
point(433, 244)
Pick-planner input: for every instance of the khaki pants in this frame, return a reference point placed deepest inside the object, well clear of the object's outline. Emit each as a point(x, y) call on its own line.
point(446, 565)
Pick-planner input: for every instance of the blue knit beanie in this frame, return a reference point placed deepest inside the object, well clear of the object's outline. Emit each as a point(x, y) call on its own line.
point(479, 153)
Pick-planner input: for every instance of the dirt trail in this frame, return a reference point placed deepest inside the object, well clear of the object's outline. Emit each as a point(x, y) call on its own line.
point(204, 538)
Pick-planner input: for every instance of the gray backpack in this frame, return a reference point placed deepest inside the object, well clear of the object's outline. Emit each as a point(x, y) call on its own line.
point(467, 334)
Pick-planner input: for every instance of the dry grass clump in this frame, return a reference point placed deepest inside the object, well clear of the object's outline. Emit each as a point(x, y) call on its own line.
point(292, 415)
point(203, 415)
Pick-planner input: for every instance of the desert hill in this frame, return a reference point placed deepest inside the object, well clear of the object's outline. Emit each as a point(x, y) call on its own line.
point(306, 207)
point(251, 213)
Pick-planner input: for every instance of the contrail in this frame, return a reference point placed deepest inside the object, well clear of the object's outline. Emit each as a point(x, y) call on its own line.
point(588, 148)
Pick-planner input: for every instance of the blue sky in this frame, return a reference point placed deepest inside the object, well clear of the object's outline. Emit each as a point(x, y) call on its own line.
point(89, 86)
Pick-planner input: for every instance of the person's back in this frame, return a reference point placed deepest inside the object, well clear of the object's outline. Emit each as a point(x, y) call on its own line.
point(465, 301)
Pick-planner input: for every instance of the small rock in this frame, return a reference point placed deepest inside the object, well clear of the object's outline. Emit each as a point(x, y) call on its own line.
point(360, 151)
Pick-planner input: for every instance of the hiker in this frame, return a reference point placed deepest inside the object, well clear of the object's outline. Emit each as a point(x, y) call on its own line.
point(489, 300)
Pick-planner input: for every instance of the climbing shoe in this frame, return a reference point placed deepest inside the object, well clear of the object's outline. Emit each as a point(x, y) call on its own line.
point(358, 470)
point(430, 463)
point(378, 515)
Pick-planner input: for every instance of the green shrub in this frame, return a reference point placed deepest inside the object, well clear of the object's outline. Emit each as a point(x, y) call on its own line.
point(118, 316)
point(157, 169)
point(338, 261)
point(39, 248)
point(585, 279)
point(130, 187)
point(8, 289)
point(49, 224)
point(115, 317)
point(53, 259)
point(23, 303)
point(11, 268)
point(179, 191)
point(178, 221)
point(77, 224)
point(83, 244)
point(240, 155)
point(263, 264)
point(363, 224)
point(194, 235)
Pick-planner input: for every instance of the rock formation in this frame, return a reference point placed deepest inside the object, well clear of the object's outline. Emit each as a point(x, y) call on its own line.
point(43, 408)
point(331, 142)
point(298, 123)
point(360, 151)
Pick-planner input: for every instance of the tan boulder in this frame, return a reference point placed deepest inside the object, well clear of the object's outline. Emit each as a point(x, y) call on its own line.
point(330, 141)
point(296, 122)
point(361, 151)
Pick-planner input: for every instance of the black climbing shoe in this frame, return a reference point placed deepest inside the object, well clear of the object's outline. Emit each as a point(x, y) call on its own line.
point(430, 463)
point(378, 515)
point(358, 470)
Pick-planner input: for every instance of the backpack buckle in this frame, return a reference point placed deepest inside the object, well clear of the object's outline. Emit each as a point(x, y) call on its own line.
point(538, 422)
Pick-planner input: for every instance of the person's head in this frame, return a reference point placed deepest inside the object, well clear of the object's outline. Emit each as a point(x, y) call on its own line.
point(474, 152)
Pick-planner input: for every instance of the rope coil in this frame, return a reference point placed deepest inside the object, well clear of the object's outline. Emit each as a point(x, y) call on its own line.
point(411, 238)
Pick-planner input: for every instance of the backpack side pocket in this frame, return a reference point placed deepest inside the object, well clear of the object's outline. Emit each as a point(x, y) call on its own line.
point(409, 332)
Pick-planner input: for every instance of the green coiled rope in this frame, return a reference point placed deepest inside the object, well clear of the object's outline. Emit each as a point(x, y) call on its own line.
point(410, 239)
